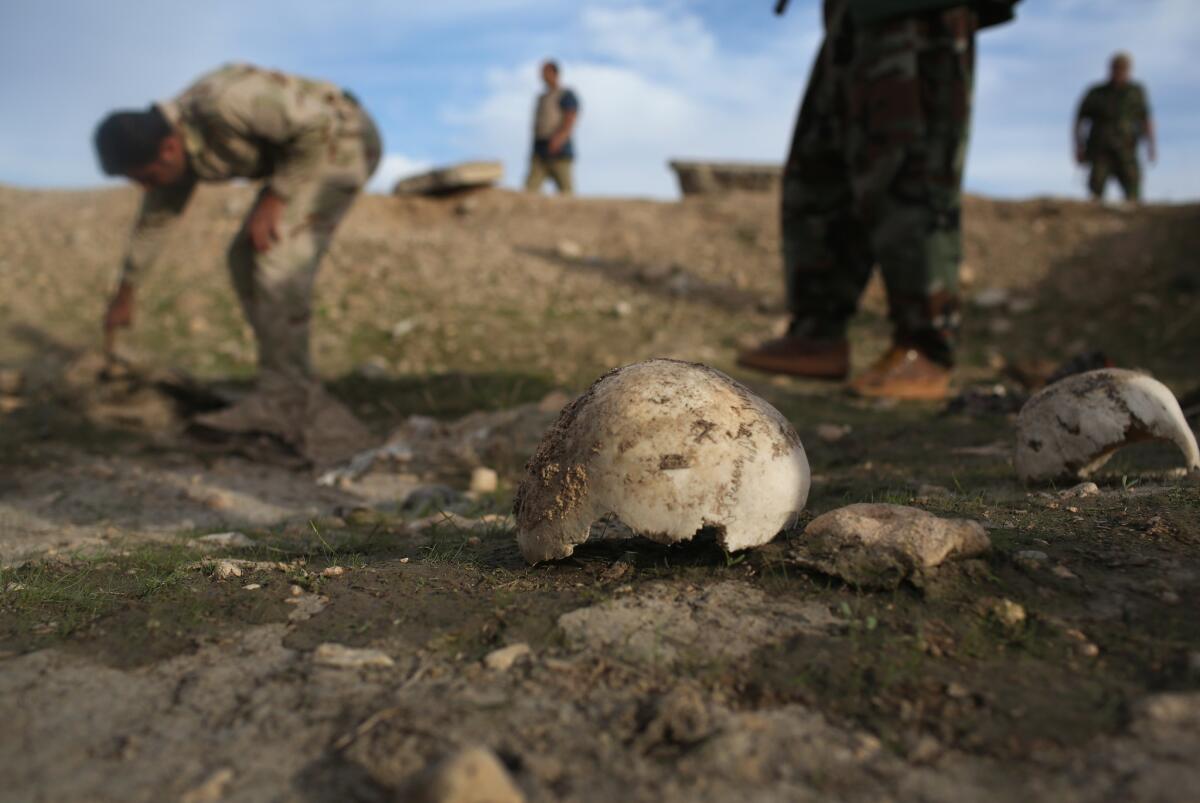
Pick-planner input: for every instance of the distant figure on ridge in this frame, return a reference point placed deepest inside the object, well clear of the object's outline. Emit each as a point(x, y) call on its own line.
point(874, 175)
point(1113, 118)
point(314, 147)
point(554, 119)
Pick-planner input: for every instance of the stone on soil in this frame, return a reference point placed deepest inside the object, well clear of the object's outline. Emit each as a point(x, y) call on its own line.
point(339, 656)
point(473, 775)
point(880, 546)
point(503, 659)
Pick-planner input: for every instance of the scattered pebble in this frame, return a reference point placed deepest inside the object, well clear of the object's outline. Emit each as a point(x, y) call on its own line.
point(1064, 573)
point(832, 433)
point(1080, 491)
point(622, 309)
point(333, 571)
point(339, 656)
point(1005, 611)
point(484, 480)
point(307, 606)
point(232, 540)
point(252, 586)
point(569, 249)
point(501, 660)
point(472, 775)
point(1030, 558)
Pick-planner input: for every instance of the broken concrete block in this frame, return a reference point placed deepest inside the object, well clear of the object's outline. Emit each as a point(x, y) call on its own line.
point(451, 179)
point(1070, 429)
point(880, 546)
point(473, 775)
point(668, 448)
point(707, 178)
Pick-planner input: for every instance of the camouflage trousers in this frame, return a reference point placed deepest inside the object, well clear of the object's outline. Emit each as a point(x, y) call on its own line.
point(874, 175)
point(275, 286)
point(1119, 163)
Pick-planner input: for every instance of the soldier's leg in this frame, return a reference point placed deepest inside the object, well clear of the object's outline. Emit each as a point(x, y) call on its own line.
point(826, 258)
point(826, 261)
point(561, 172)
point(1129, 175)
point(1098, 176)
point(912, 99)
point(537, 174)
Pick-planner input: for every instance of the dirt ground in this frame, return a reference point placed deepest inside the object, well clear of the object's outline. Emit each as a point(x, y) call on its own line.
point(142, 660)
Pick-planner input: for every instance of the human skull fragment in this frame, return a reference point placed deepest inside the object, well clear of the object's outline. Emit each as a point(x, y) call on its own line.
point(669, 448)
point(1071, 428)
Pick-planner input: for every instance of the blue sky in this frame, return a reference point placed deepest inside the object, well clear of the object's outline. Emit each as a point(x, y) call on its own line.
point(455, 79)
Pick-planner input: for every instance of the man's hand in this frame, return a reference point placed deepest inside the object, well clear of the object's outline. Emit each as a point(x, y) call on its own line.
point(263, 225)
point(555, 144)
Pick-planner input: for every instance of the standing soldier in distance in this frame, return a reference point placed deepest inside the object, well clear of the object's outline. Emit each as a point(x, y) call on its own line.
point(554, 118)
point(1112, 118)
point(874, 174)
point(314, 147)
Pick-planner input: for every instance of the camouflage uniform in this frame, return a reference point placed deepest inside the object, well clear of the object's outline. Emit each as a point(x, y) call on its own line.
point(874, 172)
point(1117, 115)
point(315, 148)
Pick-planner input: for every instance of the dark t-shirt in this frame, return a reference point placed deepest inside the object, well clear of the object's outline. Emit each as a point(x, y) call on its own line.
point(568, 102)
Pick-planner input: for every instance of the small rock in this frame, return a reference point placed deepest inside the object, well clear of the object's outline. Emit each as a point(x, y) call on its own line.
point(569, 249)
point(956, 691)
point(1170, 597)
point(484, 480)
point(402, 328)
point(1080, 491)
point(990, 298)
point(333, 571)
point(1063, 572)
point(307, 606)
point(252, 586)
point(832, 433)
point(622, 309)
point(430, 497)
point(1030, 558)
point(879, 546)
point(502, 659)
point(339, 656)
point(231, 540)
point(226, 569)
point(11, 381)
point(213, 789)
point(1005, 611)
point(473, 775)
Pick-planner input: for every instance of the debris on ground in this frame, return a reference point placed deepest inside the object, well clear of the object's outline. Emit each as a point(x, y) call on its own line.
point(832, 433)
point(879, 546)
point(424, 445)
point(982, 400)
point(484, 480)
point(502, 660)
point(1080, 491)
point(1071, 428)
point(451, 179)
point(339, 656)
point(668, 448)
point(472, 775)
point(227, 540)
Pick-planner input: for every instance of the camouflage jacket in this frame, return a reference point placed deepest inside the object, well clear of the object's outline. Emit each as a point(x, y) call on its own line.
point(241, 121)
point(1117, 116)
point(869, 12)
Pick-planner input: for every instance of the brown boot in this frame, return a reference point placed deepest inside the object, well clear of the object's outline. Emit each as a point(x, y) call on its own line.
point(800, 356)
point(904, 373)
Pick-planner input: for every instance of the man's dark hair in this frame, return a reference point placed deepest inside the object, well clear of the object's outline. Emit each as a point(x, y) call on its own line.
point(126, 140)
point(552, 64)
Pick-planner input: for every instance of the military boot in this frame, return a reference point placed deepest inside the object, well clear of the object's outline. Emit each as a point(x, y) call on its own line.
point(904, 373)
point(800, 355)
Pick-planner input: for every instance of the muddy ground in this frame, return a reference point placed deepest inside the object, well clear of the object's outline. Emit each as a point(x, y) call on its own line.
point(139, 661)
